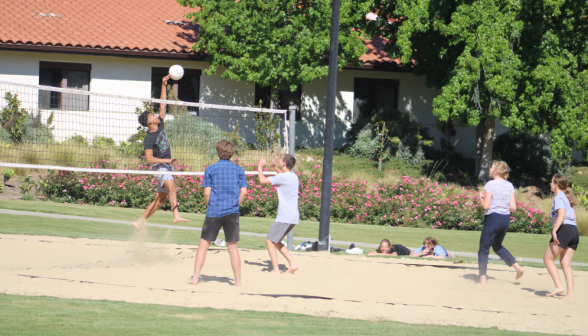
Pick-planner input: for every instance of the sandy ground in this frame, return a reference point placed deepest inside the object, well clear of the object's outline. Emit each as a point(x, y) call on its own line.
point(413, 290)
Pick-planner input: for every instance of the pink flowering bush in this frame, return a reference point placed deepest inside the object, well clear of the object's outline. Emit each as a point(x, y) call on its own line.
point(410, 202)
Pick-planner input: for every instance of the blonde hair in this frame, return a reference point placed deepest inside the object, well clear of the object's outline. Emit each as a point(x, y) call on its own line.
point(501, 168)
point(562, 183)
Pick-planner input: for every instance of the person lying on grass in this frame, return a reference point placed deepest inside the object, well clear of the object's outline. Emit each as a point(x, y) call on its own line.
point(388, 249)
point(431, 249)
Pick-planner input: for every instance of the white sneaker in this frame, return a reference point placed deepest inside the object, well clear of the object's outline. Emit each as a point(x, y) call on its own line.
point(219, 242)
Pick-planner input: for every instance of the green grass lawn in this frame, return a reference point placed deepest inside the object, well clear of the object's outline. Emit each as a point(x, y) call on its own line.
point(34, 315)
point(520, 244)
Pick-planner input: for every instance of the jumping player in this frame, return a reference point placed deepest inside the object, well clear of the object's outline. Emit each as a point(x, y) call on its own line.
point(288, 216)
point(498, 199)
point(565, 236)
point(157, 152)
point(225, 189)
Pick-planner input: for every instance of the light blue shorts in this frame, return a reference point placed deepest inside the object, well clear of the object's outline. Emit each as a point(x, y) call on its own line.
point(162, 178)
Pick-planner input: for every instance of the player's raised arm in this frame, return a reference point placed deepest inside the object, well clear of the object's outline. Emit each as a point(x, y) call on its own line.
point(262, 178)
point(163, 96)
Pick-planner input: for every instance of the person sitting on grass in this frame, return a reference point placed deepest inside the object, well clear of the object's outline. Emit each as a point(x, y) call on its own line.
point(157, 152)
point(388, 249)
point(431, 249)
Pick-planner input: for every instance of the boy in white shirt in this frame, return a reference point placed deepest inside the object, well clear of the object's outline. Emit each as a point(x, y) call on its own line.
point(287, 184)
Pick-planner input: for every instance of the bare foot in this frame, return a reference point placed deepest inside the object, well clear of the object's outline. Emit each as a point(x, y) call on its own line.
point(519, 274)
point(293, 268)
point(555, 292)
point(274, 272)
point(237, 284)
point(570, 295)
point(180, 219)
point(139, 224)
point(192, 281)
point(482, 280)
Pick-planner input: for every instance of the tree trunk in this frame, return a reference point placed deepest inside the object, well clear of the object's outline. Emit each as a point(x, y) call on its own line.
point(486, 145)
point(479, 135)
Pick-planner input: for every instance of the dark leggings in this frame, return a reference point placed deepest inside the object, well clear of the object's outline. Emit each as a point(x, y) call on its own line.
point(495, 228)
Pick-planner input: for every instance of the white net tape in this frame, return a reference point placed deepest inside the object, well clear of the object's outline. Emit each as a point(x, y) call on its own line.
point(45, 127)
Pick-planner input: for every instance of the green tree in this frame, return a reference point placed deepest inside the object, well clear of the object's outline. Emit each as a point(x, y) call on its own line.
point(522, 62)
point(13, 117)
point(275, 43)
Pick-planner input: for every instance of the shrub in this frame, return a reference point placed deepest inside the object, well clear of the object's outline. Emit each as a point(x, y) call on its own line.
point(102, 142)
point(1, 187)
point(4, 136)
point(193, 132)
point(409, 202)
point(77, 140)
point(12, 117)
point(8, 174)
point(35, 132)
point(526, 154)
point(407, 137)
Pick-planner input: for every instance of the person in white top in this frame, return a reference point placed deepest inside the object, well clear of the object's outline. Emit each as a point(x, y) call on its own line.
point(565, 235)
point(286, 183)
point(498, 199)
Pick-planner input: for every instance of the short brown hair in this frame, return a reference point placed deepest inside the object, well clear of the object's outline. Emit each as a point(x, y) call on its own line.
point(431, 240)
point(290, 161)
point(225, 149)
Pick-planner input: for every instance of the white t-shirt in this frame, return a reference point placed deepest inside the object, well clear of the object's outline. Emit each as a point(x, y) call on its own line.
point(287, 186)
point(501, 192)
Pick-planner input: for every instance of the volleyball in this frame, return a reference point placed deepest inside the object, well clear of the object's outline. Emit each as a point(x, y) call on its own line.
point(176, 72)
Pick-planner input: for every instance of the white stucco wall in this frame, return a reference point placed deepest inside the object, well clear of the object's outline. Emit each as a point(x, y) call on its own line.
point(132, 77)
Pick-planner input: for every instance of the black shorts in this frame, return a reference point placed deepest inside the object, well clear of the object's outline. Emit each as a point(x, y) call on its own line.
point(229, 224)
point(568, 236)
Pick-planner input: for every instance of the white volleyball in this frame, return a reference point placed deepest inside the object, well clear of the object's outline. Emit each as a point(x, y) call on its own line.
point(176, 72)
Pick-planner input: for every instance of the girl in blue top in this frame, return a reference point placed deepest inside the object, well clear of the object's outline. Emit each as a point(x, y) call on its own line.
point(431, 249)
point(498, 199)
point(565, 235)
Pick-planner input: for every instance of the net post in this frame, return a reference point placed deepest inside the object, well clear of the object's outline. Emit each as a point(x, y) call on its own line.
point(291, 151)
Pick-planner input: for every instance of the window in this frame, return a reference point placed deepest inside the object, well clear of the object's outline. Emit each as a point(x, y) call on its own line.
point(372, 96)
point(186, 89)
point(64, 75)
point(285, 99)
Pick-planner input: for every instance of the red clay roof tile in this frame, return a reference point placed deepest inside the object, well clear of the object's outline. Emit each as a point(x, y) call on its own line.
point(112, 24)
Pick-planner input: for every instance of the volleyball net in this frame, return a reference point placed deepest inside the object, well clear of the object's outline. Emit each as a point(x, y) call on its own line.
point(45, 127)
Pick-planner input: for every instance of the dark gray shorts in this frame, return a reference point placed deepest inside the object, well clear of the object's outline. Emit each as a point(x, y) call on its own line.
point(229, 224)
point(278, 230)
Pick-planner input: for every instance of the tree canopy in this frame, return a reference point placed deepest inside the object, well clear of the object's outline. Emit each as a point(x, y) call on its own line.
point(275, 43)
point(523, 62)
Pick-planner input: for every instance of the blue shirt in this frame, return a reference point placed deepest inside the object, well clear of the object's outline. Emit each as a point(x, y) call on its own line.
point(561, 202)
point(226, 179)
point(437, 251)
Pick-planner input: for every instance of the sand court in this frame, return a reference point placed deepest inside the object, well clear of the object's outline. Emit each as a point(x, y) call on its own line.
point(405, 290)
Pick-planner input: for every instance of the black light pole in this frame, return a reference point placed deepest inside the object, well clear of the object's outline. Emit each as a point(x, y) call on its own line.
point(325, 216)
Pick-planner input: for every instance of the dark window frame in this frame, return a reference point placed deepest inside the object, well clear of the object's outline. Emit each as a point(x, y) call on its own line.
point(175, 83)
point(264, 94)
point(374, 82)
point(65, 67)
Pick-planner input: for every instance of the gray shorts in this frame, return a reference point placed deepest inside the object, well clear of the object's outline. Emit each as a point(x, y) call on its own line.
point(162, 178)
point(278, 230)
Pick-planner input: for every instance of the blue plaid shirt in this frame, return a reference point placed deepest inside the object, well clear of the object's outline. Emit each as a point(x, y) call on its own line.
point(226, 180)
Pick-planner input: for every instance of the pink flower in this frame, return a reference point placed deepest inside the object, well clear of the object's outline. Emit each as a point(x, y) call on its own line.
point(459, 224)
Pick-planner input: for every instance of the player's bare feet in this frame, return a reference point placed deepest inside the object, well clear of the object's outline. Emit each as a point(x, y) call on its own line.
point(482, 280)
point(193, 280)
point(571, 296)
point(237, 284)
point(139, 224)
point(519, 274)
point(293, 268)
point(180, 219)
point(555, 292)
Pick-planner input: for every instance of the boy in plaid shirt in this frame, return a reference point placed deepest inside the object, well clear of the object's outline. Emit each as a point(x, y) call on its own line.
point(225, 189)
